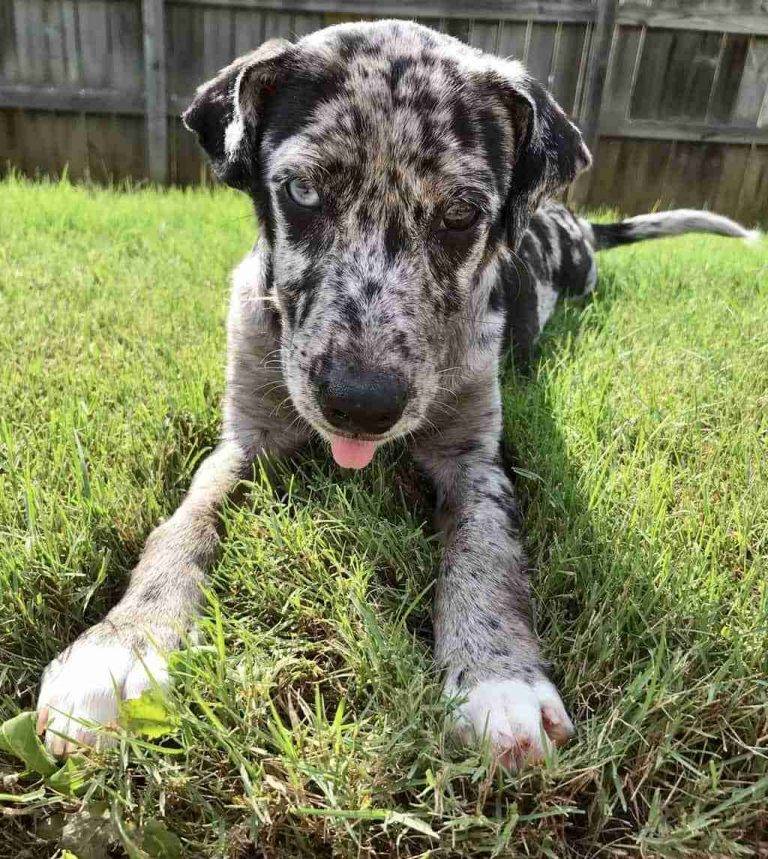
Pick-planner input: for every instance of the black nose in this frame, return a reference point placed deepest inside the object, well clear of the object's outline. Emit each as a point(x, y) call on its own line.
point(363, 402)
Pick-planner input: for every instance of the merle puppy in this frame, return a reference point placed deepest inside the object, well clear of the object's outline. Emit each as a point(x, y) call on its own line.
point(399, 180)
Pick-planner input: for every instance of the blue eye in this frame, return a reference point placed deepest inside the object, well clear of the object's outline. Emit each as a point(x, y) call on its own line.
point(303, 194)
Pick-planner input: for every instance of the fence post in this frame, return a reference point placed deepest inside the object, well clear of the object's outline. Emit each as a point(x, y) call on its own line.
point(596, 71)
point(155, 94)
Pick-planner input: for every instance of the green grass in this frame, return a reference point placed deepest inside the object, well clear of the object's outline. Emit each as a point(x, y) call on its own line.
point(307, 720)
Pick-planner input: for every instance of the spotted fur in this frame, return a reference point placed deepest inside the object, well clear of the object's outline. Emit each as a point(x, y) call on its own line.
point(392, 123)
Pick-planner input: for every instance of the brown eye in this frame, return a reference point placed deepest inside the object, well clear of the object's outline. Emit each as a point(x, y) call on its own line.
point(460, 215)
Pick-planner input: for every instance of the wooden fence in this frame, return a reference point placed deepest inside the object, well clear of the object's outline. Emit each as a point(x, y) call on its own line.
point(674, 93)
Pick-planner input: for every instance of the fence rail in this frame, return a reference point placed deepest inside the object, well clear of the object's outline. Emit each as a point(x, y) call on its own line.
point(672, 94)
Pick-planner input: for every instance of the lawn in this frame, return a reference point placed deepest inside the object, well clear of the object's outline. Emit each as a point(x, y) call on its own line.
point(306, 719)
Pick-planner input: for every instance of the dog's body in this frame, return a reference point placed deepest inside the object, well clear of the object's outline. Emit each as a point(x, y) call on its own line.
point(398, 178)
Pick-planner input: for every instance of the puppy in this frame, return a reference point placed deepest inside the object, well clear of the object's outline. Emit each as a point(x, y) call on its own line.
point(400, 181)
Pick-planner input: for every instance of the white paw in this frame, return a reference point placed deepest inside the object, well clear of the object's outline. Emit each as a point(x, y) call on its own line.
point(521, 720)
point(82, 689)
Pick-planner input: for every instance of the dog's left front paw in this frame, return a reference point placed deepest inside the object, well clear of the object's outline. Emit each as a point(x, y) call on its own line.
point(82, 689)
point(520, 719)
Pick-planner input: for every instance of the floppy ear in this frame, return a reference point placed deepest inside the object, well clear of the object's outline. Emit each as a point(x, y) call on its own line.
point(549, 152)
point(225, 113)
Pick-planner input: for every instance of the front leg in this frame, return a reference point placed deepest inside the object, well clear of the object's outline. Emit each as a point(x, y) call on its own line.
point(484, 639)
point(125, 653)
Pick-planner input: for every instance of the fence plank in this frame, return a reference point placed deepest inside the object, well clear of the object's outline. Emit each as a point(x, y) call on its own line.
point(30, 41)
point(703, 75)
point(541, 51)
point(46, 142)
point(598, 67)
point(701, 132)
point(9, 68)
point(732, 59)
point(644, 168)
point(755, 186)
point(125, 35)
point(754, 83)
point(513, 39)
point(717, 17)
point(70, 99)
point(115, 148)
point(693, 174)
point(625, 54)
point(564, 76)
point(218, 40)
point(155, 93)
point(458, 28)
point(71, 149)
point(249, 31)
point(38, 132)
point(185, 44)
point(305, 24)
point(94, 42)
point(9, 150)
point(484, 35)
point(186, 164)
point(596, 187)
point(277, 25)
point(69, 26)
point(688, 77)
point(656, 57)
point(54, 38)
point(496, 10)
point(702, 16)
point(731, 179)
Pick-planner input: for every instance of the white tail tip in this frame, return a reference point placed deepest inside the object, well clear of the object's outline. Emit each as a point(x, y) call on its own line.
point(753, 237)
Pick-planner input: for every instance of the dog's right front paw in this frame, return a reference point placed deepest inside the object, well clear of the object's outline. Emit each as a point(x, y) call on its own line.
point(82, 688)
point(521, 719)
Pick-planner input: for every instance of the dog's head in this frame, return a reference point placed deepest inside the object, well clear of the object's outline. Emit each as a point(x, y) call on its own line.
point(389, 165)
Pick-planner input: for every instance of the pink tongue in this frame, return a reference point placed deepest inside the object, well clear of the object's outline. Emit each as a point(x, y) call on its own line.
point(352, 453)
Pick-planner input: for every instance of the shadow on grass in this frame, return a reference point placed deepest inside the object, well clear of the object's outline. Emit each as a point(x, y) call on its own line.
point(557, 513)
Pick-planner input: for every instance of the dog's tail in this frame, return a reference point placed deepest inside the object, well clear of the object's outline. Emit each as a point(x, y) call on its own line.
point(659, 224)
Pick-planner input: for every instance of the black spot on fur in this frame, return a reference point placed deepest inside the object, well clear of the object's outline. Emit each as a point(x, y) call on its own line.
point(262, 203)
point(310, 285)
point(151, 592)
point(521, 325)
point(612, 235)
point(371, 289)
point(467, 447)
point(492, 622)
point(302, 290)
point(300, 96)
point(462, 123)
point(496, 298)
point(496, 152)
point(397, 70)
point(350, 313)
point(349, 44)
point(395, 236)
point(539, 230)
